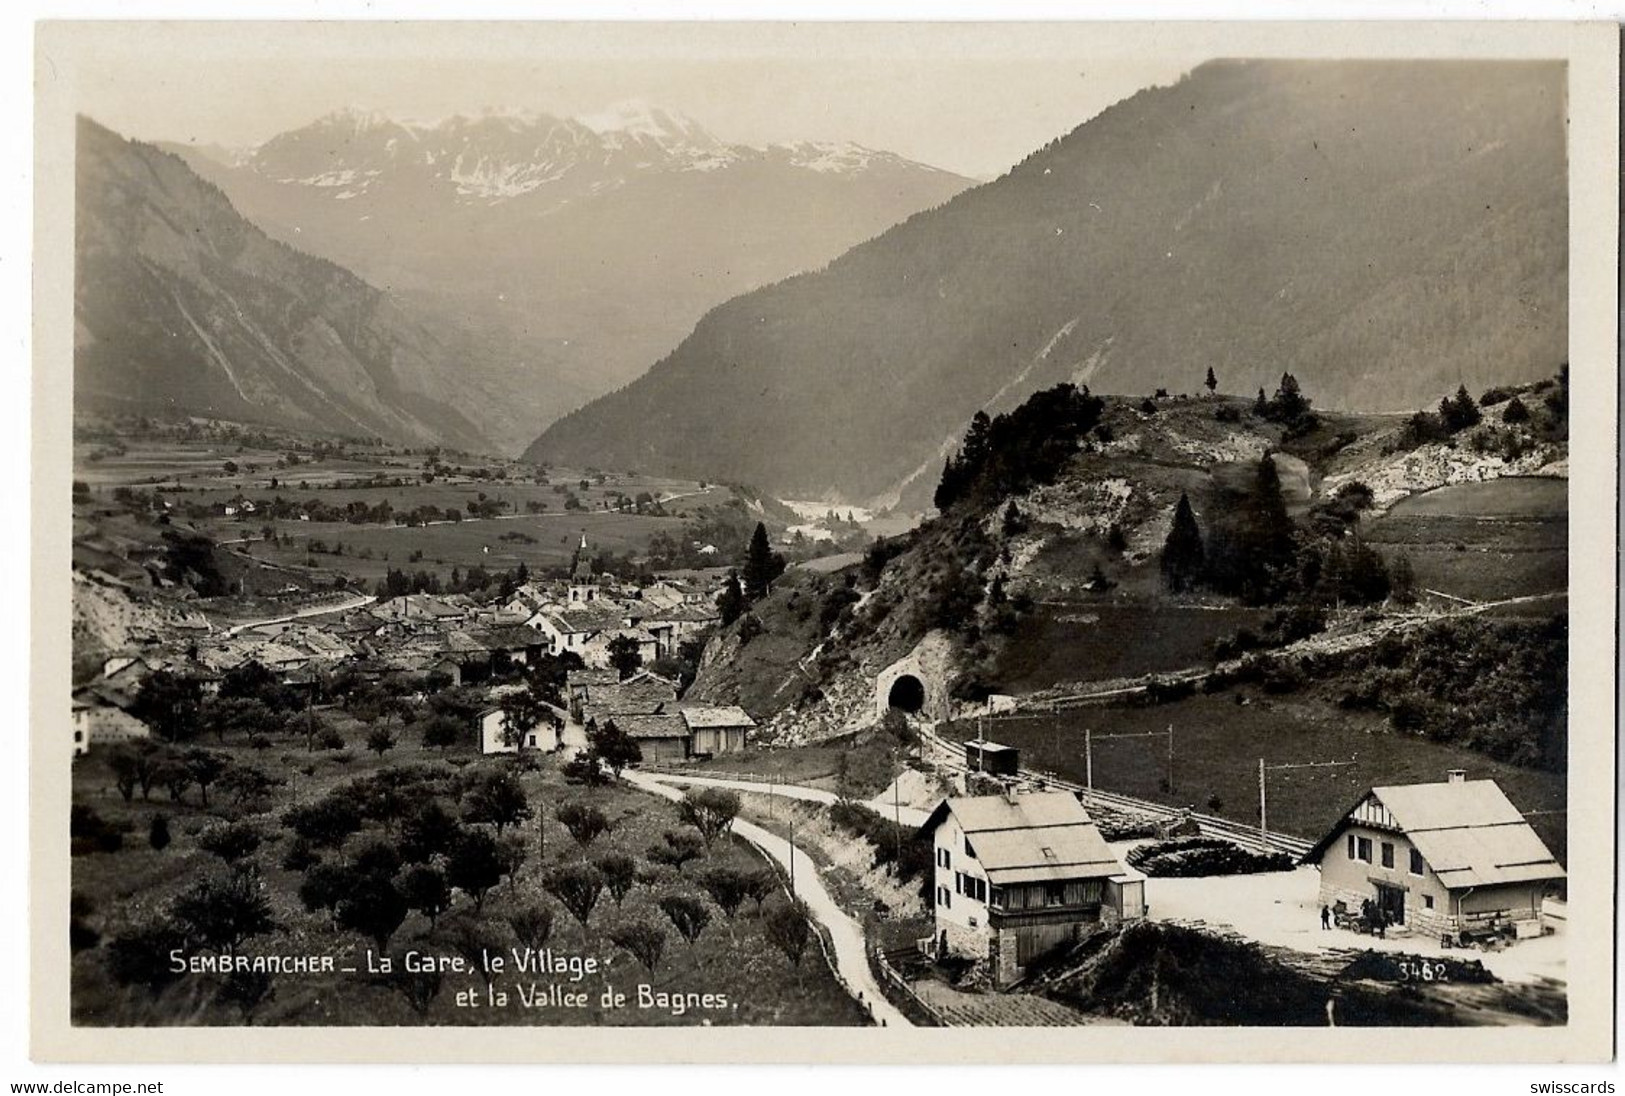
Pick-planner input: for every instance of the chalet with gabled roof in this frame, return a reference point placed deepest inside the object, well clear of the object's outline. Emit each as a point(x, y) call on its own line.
point(1017, 876)
point(1454, 860)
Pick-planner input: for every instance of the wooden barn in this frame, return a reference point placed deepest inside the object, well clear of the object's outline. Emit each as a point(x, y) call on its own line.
point(715, 730)
point(662, 738)
point(1020, 875)
point(1455, 860)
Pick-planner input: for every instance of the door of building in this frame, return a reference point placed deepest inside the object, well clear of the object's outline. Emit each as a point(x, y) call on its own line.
point(1391, 901)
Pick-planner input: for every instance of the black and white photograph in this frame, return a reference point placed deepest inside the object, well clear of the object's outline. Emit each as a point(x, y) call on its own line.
point(1049, 532)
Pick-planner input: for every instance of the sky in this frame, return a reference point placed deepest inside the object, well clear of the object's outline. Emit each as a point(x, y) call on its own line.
point(971, 99)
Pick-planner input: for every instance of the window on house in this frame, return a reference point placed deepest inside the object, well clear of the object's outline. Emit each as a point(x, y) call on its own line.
point(942, 857)
point(969, 851)
point(1427, 901)
point(1054, 894)
point(959, 882)
point(972, 922)
point(1351, 847)
point(998, 898)
point(944, 897)
point(1363, 849)
point(1416, 862)
point(1387, 854)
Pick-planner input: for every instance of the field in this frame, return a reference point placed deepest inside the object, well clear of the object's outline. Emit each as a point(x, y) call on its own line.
point(201, 478)
point(732, 960)
point(1218, 744)
point(371, 550)
point(1114, 639)
point(1487, 541)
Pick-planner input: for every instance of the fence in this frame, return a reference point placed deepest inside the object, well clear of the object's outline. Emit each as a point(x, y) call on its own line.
point(900, 993)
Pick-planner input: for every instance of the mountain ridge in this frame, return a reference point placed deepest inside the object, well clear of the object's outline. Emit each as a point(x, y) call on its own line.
point(183, 305)
point(1383, 230)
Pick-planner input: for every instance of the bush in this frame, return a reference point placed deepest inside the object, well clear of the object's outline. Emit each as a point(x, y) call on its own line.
point(1158, 691)
point(890, 840)
point(88, 832)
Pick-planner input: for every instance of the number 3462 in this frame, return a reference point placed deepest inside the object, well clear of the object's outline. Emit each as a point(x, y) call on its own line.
point(1423, 970)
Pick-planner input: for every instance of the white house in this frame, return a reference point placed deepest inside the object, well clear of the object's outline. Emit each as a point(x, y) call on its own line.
point(1442, 859)
point(1020, 875)
point(595, 652)
point(495, 737)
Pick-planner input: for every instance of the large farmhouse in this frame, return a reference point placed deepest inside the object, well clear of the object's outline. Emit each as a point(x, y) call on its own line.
point(1443, 859)
point(1020, 875)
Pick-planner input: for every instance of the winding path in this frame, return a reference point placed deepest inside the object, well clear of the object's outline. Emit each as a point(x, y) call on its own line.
point(909, 816)
point(845, 935)
point(356, 602)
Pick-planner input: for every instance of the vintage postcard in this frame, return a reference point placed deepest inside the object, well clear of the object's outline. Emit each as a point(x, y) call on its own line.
point(825, 542)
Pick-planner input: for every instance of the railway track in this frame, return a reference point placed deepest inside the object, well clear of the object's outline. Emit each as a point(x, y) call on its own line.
point(1248, 837)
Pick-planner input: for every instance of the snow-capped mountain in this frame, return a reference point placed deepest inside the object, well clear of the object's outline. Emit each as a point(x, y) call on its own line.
point(501, 156)
point(594, 243)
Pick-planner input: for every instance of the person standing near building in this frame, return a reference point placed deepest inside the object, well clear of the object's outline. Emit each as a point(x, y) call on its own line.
point(1325, 917)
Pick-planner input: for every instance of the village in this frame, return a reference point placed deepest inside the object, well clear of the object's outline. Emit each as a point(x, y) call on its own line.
point(1026, 873)
point(606, 630)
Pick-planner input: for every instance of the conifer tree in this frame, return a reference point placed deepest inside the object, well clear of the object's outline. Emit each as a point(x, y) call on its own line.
point(731, 602)
point(761, 565)
point(1183, 557)
point(1267, 535)
point(1211, 382)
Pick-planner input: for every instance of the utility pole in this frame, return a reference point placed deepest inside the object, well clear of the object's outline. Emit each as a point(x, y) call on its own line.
point(1263, 800)
point(1088, 760)
point(897, 822)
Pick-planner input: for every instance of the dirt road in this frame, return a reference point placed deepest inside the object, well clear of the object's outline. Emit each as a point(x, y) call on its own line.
point(908, 816)
point(356, 602)
point(848, 955)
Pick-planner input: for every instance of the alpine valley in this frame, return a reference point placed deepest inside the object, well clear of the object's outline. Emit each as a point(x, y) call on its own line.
point(582, 248)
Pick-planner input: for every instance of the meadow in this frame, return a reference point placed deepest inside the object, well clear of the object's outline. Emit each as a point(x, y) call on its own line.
point(1488, 541)
point(1107, 640)
point(1218, 743)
